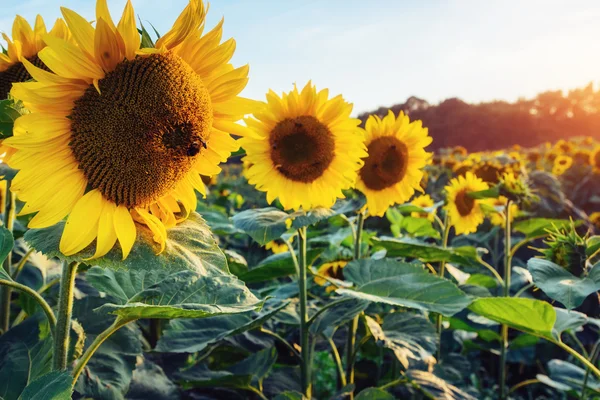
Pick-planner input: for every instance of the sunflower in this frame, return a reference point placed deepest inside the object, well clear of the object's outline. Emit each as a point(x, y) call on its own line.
point(330, 270)
point(465, 212)
point(277, 247)
point(305, 150)
point(26, 43)
point(595, 220)
point(394, 167)
point(489, 171)
point(561, 164)
point(459, 151)
point(125, 133)
point(595, 159)
point(423, 201)
point(498, 218)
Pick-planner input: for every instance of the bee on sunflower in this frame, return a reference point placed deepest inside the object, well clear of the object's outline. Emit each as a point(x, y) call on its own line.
point(394, 167)
point(26, 43)
point(124, 133)
point(305, 149)
point(464, 212)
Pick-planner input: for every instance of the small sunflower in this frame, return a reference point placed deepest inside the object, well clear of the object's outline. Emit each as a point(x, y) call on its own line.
point(499, 218)
point(124, 133)
point(489, 171)
point(459, 151)
point(561, 164)
point(465, 212)
point(305, 149)
point(394, 167)
point(278, 247)
point(423, 201)
point(330, 270)
point(595, 220)
point(595, 159)
point(26, 43)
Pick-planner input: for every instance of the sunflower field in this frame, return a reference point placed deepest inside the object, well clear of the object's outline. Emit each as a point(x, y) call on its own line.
point(164, 237)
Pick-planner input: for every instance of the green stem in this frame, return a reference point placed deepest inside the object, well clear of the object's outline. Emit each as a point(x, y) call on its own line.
point(337, 359)
point(507, 273)
point(442, 271)
point(39, 299)
point(9, 220)
point(292, 254)
point(353, 325)
point(282, 340)
point(63, 324)
point(325, 307)
point(257, 392)
point(589, 365)
point(21, 264)
point(393, 383)
point(491, 269)
point(524, 289)
point(95, 344)
point(592, 358)
point(304, 339)
point(522, 384)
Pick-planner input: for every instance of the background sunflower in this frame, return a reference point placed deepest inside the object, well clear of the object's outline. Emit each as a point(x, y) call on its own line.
point(465, 212)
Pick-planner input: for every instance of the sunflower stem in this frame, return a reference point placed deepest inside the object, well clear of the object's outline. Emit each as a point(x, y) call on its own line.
point(353, 325)
point(507, 272)
point(63, 323)
point(9, 220)
point(304, 338)
point(441, 273)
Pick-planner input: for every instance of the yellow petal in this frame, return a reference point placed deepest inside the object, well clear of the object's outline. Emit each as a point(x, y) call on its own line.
point(187, 23)
point(124, 229)
point(81, 29)
point(128, 31)
point(60, 30)
point(107, 53)
point(157, 228)
point(23, 33)
point(39, 31)
point(67, 60)
point(102, 12)
point(82, 225)
point(107, 235)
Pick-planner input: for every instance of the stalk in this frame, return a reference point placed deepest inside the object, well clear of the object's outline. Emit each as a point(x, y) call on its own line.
point(304, 339)
point(63, 323)
point(592, 358)
point(36, 296)
point(353, 325)
point(9, 220)
point(442, 271)
point(507, 273)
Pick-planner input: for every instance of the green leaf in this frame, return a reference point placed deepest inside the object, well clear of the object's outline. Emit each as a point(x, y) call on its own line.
point(262, 224)
point(485, 281)
point(336, 316)
point(277, 266)
point(411, 248)
point(374, 394)
point(290, 396)
point(236, 262)
point(190, 246)
point(183, 294)
point(593, 245)
point(193, 335)
point(567, 320)
point(416, 227)
point(53, 386)
point(14, 370)
point(9, 112)
point(402, 284)
point(218, 221)
point(6, 245)
point(436, 386)
point(531, 316)
point(560, 285)
point(146, 39)
point(565, 376)
point(302, 218)
point(535, 227)
point(150, 382)
point(491, 193)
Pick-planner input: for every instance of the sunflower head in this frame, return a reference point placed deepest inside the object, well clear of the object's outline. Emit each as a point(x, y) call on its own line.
point(516, 188)
point(561, 164)
point(534, 156)
point(465, 212)
point(459, 151)
point(305, 148)
point(595, 220)
point(330, 270)
point(124, 132)
point(489, 171)
point(595, 159)
point(278, 247)
point(498, 217)
point(394, 167)
point(566, 248)
point(26, 43)
point(563, 146)
point(582, 157)
point(423, 201)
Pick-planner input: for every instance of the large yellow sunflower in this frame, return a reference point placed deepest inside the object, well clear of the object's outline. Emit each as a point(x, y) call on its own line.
point(305, 149)
point(464, 212)
point(119, 135)
point(394, 167)
point(26, 43)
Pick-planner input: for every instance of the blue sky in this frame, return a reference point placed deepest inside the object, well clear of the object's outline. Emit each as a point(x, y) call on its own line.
point(377, 53)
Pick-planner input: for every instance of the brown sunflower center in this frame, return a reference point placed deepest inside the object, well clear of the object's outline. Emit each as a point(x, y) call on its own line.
point(387, 163)
point(489, 173)
point(301, 148)
point(17, 73)
point(464, 203)
point(145, 129)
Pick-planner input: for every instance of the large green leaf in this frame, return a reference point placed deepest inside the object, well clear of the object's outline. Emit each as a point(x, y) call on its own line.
point(565, 376)
point(218, 221)
point(337, 315)
point(150, 382)
point(190, 246)
point(192, 335)
point(53, 386)
point(425, 252)
point(302, 218)
point(277, 266)
point(402, 284)
point(561, 285)
point(535, 227)
point(183, 294)
point(262, 224)
point(531, 316)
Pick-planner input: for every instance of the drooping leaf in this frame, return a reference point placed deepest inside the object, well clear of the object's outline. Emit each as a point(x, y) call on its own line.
point(262, 224)
point(411, 248)
point(535, 227)
point(437, 387)
point(192, 335)
point(52, 386)
point(190, 246)
point(560, 285)
point(567, 320)
point(277, 266)
point(186, 294)
point(565, 376)
point(402, 284)
point(531, 316)
point(337, 315)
